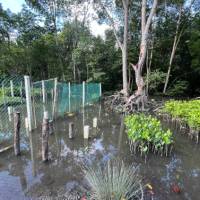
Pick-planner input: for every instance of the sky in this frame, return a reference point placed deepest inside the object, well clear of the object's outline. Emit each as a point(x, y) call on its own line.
point(16, 5)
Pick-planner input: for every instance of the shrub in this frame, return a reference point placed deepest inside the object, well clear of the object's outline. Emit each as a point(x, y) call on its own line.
point(146, 134)
point(187, 111)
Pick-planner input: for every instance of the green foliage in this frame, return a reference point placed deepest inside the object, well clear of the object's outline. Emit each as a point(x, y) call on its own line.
point(50, 42)
point(156, 79)
point(194, 43)
point(114, 181)
point(187, 111)
point(179, 88)
point(147, 133)
point(10, 100)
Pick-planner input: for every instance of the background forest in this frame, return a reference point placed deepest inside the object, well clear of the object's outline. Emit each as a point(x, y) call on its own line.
point(54, 39)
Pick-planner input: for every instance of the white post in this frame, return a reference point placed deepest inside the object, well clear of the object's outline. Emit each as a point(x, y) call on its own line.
point(43, 92)
point(46, 115)
point(100, 90)
point(55, 97)
point(86, 132)
point(28, 101)
point(11, 88)
point(26, 123)
point(10, 111)
point(83, 93)
point(69, 96)
point(95, 122)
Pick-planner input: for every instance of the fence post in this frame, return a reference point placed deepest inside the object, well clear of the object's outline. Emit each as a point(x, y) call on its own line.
point(3, 93)
point(17, 133)
point(11, 88)
point(71, 130)
point(43, 92)
point(10, 111)
point(95, 122)
point(45, 137)
point(28, 101)
point(100, 90)
point(86, 132)
point(69, 95)
point(55, 97)
point(83, 93)
point(21, 92)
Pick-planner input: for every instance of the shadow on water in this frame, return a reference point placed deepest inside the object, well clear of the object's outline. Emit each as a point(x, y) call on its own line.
point(26, 177)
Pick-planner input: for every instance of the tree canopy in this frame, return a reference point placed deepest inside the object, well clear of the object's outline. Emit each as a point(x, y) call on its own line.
point(52, 39)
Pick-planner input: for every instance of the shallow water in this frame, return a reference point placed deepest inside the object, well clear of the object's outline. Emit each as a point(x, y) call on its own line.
point(26, 177)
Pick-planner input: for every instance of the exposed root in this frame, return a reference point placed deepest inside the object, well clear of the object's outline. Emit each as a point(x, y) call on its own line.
point(135, 103)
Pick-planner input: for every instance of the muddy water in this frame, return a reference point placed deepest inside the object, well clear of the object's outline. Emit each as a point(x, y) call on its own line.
point(26, 177)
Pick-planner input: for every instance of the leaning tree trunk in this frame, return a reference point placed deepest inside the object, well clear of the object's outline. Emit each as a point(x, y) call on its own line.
point(175, 44)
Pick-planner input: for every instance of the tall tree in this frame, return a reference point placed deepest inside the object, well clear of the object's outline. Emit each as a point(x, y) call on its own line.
point(145, 26)
point(111, 8)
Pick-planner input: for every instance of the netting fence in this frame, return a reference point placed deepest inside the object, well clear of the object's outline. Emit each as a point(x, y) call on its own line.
point(32, 99)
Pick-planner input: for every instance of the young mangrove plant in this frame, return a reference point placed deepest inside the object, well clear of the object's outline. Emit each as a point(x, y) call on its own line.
point(114, 181)
point(185, 112)
point(146, 135)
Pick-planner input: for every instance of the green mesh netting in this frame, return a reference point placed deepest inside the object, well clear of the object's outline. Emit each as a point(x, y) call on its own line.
point(55, 97)
point(92, 92)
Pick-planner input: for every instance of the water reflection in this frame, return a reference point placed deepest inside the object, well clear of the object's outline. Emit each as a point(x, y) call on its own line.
point(30, 178)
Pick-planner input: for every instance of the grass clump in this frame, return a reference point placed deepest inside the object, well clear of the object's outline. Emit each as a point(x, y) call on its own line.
point(114, 181)
point(146, 134)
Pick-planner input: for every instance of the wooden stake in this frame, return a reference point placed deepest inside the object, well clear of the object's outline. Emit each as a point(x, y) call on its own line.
point(71, 130)
point(17, 133)
point(51, 129)
point(45, 137)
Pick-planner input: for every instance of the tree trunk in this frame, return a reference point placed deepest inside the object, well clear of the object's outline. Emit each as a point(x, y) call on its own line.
point(139, 80)
point(124, 73)
point(125, 48)
point(145, 25)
